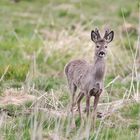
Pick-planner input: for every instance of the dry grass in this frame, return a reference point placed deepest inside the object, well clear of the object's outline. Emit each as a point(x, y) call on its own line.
point(15, 97)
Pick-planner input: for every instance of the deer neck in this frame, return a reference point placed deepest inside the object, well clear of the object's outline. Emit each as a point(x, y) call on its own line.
point(99, 68)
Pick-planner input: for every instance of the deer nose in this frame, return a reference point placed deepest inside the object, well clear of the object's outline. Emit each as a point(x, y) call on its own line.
point(101, 53)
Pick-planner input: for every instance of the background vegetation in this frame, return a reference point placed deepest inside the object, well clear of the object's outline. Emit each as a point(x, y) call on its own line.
point(37, 39)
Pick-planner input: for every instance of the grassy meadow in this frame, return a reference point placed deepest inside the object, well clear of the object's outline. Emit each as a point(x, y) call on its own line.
point(37, 39)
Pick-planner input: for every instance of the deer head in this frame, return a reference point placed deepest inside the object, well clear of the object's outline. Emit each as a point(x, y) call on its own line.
point(101, 43)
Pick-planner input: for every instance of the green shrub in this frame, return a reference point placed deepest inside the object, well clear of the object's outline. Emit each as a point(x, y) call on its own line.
point(47, 83)
point(17, 72)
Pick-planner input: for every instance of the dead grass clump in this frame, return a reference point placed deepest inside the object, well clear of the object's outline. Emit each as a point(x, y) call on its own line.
point(15, 97)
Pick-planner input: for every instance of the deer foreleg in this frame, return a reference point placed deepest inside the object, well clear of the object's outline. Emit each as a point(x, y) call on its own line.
point(96, 100)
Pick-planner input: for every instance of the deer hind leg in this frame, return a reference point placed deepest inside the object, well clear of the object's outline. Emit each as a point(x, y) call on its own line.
point(87, 104)
point(73, 89)
point(78, 101)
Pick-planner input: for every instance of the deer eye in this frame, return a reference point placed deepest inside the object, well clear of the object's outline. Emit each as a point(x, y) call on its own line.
point(105, 46)
point(97, 46)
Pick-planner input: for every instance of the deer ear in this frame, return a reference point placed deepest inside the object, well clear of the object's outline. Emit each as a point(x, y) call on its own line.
point(94, 36)
point(109, 37)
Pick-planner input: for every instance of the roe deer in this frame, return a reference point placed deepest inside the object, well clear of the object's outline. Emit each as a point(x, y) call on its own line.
point(89, 77)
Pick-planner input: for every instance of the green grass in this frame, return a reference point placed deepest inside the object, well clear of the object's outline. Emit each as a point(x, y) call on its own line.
point(37, 39)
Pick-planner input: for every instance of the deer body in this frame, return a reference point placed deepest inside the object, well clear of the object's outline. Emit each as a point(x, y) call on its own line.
point(89, 77)
point(85, 76)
